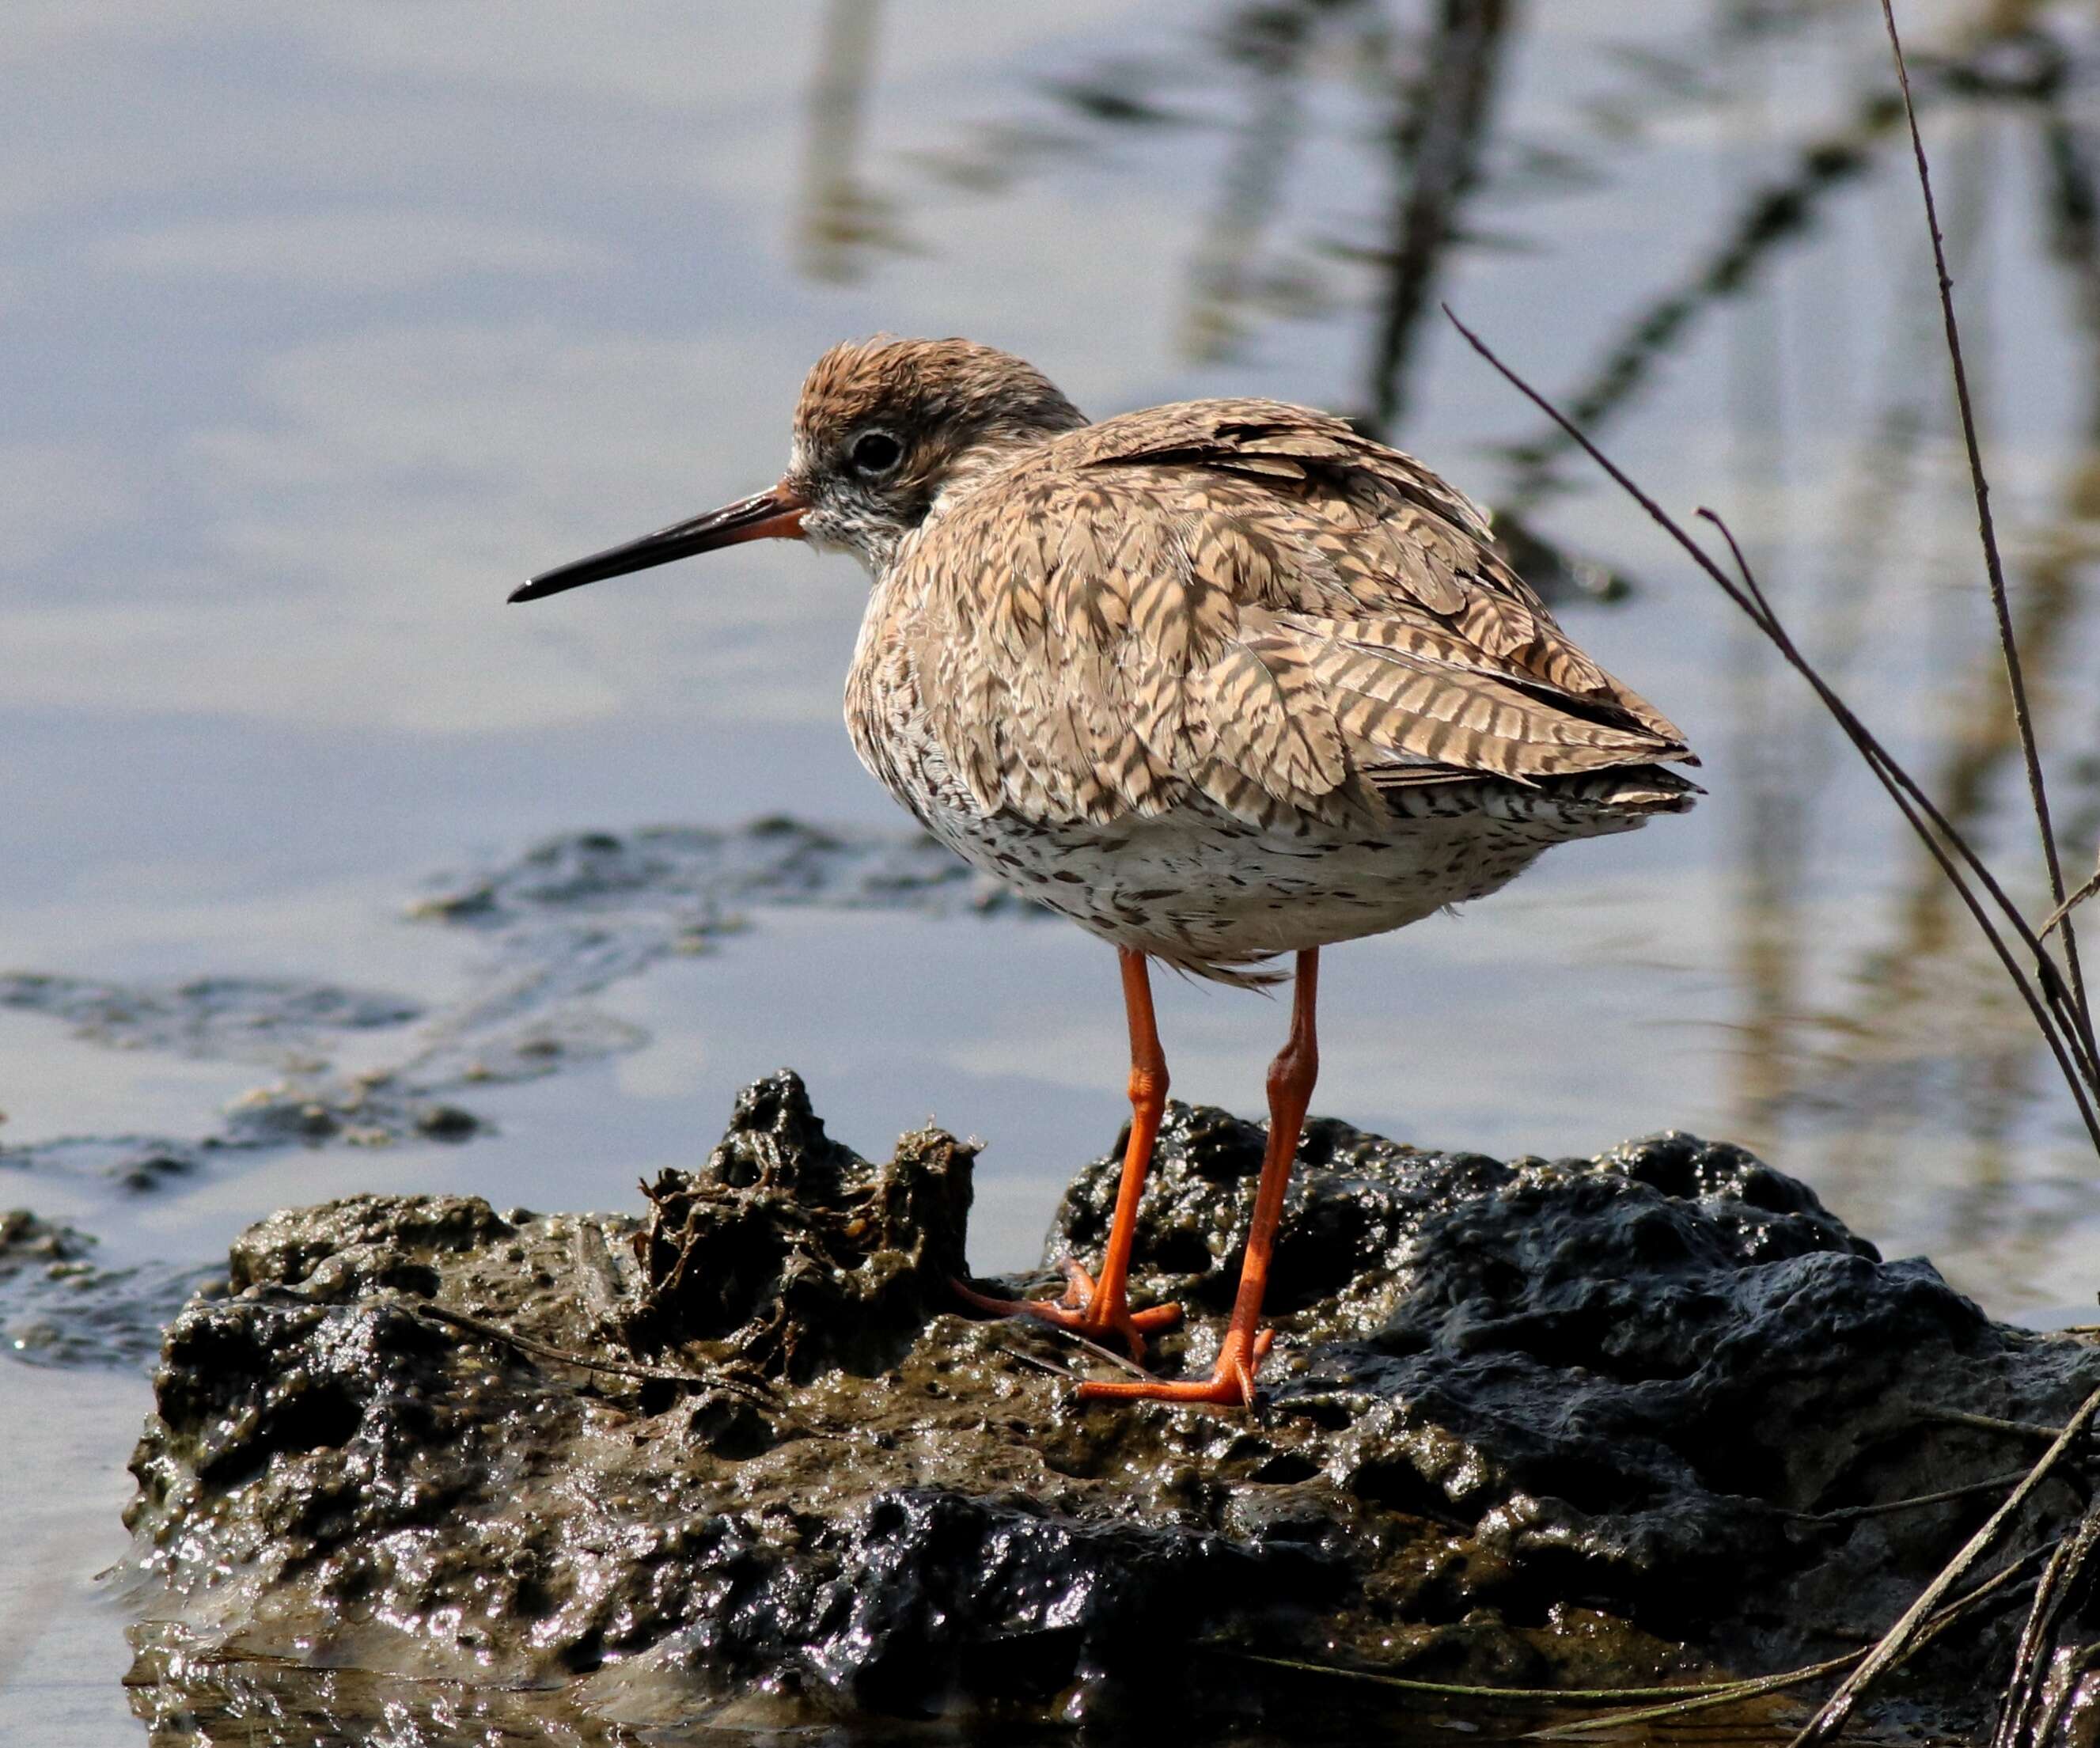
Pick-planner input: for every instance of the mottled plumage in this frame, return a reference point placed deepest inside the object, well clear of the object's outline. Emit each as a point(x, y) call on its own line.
point(1132, 651)
point(1217, 681)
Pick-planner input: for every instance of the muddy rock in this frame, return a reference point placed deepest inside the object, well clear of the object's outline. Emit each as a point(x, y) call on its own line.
point(1638, 1380)
point(794, 1254)
point(741, 1462)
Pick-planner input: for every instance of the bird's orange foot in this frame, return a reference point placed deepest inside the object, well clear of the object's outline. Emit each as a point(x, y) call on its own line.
point(1230, 1384)
point(1083, 1310)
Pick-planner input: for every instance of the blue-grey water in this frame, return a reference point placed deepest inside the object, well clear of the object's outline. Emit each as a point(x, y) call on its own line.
point(324, 325)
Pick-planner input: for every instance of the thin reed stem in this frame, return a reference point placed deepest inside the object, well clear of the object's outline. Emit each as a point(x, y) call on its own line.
point(1762, 1685)
point(2054, 992)
point(2081, 1012)
point(1942, 841)
point(2027, 1701)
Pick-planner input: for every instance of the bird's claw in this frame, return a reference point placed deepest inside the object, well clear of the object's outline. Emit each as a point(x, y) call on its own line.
point(1081, 1311)
point(1230, 1384)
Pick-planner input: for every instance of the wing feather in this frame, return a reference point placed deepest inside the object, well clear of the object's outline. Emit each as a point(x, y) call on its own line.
point(1246, 600)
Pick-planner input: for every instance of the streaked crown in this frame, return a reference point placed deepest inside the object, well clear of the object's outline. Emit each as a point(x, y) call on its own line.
point(886, 425)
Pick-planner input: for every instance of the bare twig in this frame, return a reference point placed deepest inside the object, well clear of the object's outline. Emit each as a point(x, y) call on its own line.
point(1942, 841)
point(1098, 1351)
point(1846, 1514)
point(1988, 1423)
point(1932, 829)
point(1077, 1339)
point(2062, 1692)
point(2059, 916)
point(1898, 1641)
point(1715, 1692)
point(1994, 568)
point(1682, 1697)
point(1039, 1363)
point(755, 1394)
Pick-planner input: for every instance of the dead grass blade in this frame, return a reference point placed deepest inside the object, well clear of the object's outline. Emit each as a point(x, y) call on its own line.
point(1902, 1638)
point(1758, 1686)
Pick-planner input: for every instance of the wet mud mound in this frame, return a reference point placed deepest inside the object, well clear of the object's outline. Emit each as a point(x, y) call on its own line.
point(740, 1461)
point(795, 1254)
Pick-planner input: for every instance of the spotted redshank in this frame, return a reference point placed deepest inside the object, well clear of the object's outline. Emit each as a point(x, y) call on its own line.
point(1219, 682)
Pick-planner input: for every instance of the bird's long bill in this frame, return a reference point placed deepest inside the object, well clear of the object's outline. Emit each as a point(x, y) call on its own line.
point(773, 514)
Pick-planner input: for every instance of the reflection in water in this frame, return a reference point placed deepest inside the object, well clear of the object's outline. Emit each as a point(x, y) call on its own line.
point(1439, 145)
point(1225, 279)
point(840, 216)
point(1874, 1031)
point(1922, 1035)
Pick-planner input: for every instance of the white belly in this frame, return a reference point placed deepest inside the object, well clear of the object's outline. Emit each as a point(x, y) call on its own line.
point(1211, 895)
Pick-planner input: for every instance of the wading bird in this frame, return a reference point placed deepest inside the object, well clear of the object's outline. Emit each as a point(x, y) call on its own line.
point(1219, 682)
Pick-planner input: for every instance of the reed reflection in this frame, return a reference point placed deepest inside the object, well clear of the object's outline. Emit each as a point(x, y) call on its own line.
point(1872, 1046)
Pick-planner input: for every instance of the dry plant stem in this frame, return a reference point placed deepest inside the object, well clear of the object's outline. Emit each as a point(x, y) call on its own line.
point(1038, 1364)
point(2057, 916)
point(1942, 840)
point(1759, 1685)
point(1988, 1423)
point(1898, 1641)
point(2024, 1692)
point(1684, 1697)
point(1098, 1351)
point(2015, 680)
point(2069, 1678)
point(1846, 1514)
point(1713, 1691)
point(1915, 807)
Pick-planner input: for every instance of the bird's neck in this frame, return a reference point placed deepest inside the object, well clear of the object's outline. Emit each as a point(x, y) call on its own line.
point(995, 452)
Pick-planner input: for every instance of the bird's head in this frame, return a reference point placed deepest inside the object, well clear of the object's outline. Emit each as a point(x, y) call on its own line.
point(884, 428)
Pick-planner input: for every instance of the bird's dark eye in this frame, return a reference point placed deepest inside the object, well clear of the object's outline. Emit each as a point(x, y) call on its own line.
point(874, 452)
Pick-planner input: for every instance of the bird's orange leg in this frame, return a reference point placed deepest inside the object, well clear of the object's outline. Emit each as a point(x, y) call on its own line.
point(1099, 1307)
point(1291, 1078)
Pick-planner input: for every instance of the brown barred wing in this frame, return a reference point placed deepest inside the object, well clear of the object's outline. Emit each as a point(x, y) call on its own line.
point(1247, 601)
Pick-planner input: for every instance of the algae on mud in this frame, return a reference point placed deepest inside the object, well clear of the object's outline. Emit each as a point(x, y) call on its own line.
point(1571, 1422)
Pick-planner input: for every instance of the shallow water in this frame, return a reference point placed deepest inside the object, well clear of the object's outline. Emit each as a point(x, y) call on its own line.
point(326, 329)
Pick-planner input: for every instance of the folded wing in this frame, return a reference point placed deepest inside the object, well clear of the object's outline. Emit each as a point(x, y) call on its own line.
point(1250, 602)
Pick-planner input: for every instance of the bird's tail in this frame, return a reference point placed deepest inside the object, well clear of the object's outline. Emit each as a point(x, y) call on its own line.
point(1630, 790)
